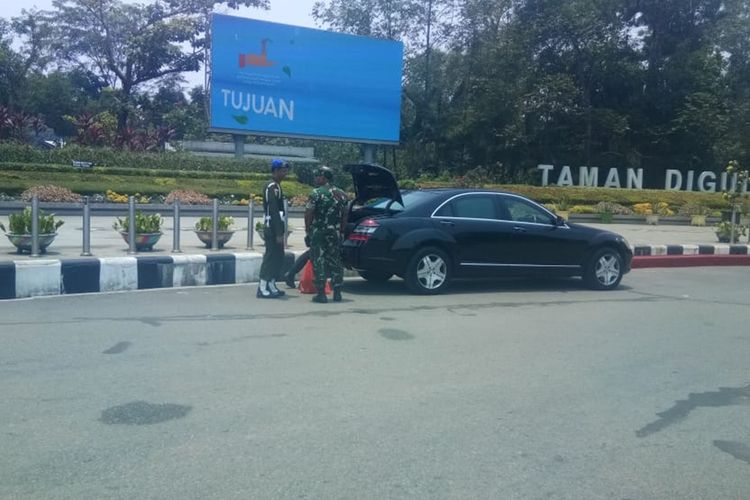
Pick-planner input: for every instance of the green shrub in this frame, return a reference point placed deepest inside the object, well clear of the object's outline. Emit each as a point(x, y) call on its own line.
point(583, 209)
point(143, 223)
point(305, 174)
point(21, 223)
point(105, 157)
point(408, 184)
point(207, 223)
point(724, 231)
point(693, 208)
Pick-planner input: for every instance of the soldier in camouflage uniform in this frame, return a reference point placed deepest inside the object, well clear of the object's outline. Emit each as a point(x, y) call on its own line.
point(325, 219)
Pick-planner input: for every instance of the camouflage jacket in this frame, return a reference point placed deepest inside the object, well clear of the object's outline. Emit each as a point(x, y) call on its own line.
point(328, 204)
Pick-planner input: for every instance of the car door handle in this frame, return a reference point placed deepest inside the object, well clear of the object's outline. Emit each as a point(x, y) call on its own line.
point(447, 223)
point(519, 229)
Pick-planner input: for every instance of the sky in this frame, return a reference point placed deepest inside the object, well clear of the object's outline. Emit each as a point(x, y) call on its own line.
point(296, 12)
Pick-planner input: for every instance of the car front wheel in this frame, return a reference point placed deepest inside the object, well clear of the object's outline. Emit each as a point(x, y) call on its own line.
point(604, 269)
point(428, 271)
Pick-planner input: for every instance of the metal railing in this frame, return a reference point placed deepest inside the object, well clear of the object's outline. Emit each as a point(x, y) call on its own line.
point(133, 212)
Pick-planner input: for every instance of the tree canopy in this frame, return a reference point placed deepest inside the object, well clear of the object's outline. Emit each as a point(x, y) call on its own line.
point(497, 86)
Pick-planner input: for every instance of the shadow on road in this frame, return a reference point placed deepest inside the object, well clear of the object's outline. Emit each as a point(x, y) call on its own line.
point(396, 286)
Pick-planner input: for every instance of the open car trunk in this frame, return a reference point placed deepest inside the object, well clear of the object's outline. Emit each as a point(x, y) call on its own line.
point(372, 183)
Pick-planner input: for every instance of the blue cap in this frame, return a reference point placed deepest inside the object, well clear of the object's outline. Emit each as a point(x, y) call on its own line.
point(278, 163)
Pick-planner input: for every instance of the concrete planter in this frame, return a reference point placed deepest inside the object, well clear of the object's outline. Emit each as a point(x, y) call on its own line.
point(143, 241)
point(652, 219)
point(697, 220)
point(22, 242)
point(207, 237)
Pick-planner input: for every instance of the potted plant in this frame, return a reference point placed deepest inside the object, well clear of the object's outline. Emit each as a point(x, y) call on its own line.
point(736, 196)
point(652, 218)
point(658, 208)
point(147, 230)
point(204, 230)
point(697, 213)
point(724, 232)
point(19, 230)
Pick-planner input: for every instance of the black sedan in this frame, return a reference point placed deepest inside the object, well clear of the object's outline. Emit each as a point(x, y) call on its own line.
point(430, 237)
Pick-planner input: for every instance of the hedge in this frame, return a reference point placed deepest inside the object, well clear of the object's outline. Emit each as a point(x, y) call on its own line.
point(92, 183)
point(105, 157)
point(189, 174)
point(23, 166)
point(592, 196)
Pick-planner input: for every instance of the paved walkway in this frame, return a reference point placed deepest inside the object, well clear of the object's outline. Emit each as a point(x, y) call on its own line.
point(106, 242)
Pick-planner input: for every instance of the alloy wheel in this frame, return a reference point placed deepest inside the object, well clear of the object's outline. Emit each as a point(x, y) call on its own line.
point(432, 272)
point(607, 269)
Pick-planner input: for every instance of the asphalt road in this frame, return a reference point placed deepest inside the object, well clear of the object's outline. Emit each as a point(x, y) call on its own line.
point(540, 390)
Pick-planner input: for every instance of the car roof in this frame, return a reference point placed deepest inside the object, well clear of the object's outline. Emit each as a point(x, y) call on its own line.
point(439, 195)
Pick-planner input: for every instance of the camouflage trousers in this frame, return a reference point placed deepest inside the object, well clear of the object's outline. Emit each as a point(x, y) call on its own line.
point(325, 253)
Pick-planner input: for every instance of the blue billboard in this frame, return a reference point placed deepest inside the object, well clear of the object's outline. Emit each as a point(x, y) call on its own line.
point(276, 79)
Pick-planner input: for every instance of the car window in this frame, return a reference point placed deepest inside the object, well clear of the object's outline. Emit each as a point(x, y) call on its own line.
point(519, 210)
point(410, 198)
point(445, 211)
point(473, 207)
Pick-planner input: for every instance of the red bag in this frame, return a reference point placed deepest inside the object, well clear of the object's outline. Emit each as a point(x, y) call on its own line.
point(306, 281)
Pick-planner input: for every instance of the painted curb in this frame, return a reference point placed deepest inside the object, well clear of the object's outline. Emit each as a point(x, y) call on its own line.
point(22, 279)
point(35, 278)
point(645, 262)
point(682, 250)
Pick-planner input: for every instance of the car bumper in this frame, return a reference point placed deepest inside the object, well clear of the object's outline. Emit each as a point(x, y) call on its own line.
point(366, 256)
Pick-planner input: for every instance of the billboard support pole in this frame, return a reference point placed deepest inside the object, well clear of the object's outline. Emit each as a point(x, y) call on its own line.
point(369, 153)
point(239, 146)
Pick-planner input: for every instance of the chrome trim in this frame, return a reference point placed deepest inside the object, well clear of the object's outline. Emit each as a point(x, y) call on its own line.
point(554, 216)
point(481, 264)
point(450, 217)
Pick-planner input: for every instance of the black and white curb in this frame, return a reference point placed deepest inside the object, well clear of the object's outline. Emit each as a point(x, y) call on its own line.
point(32, 278)
point(661, 250)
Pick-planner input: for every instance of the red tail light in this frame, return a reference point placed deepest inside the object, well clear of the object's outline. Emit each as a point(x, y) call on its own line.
point(364, 230)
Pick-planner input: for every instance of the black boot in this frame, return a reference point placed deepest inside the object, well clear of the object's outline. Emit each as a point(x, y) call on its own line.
point(289, 280)
point(320, 298)
point(337, 294)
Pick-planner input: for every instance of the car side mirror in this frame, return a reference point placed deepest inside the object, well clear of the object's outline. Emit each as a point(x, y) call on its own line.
point(559, 221)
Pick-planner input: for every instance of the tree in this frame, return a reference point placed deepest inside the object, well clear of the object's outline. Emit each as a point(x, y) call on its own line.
point(10, 67)
point(129, 45)
point(57, 94)
point(421, 25)
point(30, 36)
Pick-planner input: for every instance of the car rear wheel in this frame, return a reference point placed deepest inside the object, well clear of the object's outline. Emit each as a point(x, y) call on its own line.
point(376, 276)
point(428, 271)
point(604, 269)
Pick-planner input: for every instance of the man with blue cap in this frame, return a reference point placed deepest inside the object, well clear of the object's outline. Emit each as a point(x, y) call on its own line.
point(273, 232)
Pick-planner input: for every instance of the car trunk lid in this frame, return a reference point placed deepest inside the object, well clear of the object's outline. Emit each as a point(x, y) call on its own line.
point(373, 181)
